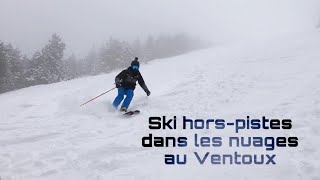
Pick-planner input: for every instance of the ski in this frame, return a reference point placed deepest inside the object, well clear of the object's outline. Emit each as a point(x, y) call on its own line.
point(130, 113)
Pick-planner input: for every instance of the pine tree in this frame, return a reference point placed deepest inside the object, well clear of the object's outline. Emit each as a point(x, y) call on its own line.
point(3, 67)
point(47, 66)
point(149, 48)
point(137, 50)
point(15, 67)
point(35, 70)
point(52, 55)
point(11, 68)
point(71, 67)
point(127, 54)
point(115, 54)
point(91, 63)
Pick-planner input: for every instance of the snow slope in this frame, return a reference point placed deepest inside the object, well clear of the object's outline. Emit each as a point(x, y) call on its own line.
point(44, 134)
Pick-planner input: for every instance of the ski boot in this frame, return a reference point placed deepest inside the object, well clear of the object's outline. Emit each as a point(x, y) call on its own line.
point(123, 109)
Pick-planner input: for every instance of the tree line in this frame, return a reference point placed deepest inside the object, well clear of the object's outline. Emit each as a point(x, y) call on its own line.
point(49, 65)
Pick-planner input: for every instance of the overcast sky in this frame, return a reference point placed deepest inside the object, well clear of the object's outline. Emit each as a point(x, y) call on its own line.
point(28, 24)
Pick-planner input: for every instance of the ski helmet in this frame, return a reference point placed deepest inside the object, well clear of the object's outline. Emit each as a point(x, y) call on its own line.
point(135, 62)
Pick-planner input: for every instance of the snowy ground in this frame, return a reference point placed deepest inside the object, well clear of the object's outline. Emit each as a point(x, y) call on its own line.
point(44, 134)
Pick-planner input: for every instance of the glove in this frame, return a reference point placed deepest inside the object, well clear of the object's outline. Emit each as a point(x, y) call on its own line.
point(148, 93)
point(118, 84)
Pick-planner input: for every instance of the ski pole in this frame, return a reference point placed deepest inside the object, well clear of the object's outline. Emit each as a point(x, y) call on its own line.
point(98, 96)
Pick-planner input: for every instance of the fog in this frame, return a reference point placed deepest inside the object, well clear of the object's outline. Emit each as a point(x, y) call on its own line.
point(28, 24)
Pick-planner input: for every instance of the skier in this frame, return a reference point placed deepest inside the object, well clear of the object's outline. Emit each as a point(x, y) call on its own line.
point(126, 83)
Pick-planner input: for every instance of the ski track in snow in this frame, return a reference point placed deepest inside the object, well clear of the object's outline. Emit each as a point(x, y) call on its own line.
point(45, 134)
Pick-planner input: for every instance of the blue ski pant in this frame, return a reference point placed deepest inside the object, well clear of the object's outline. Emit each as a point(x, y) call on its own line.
point(119, 98)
